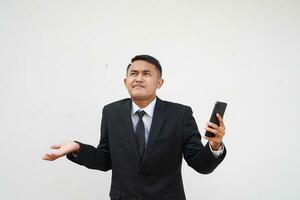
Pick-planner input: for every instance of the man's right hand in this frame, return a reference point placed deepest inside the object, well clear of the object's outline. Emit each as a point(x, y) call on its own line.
point(61, 150)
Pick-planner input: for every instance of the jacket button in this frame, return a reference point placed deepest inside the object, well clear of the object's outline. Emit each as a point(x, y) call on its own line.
point(140, 197)
point(141, 175)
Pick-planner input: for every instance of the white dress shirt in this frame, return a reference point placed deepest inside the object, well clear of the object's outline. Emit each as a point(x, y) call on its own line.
point(147, 118)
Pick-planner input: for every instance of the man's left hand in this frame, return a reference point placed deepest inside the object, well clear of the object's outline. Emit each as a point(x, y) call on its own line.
point(219, 131)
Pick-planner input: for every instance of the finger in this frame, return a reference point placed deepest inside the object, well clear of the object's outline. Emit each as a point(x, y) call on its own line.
point(212, 139)
point(52, 156)
point(211, 130)
point(46, 157)
point(55, 146)
point(221, 122)
point(210, 124)
point(219, 132)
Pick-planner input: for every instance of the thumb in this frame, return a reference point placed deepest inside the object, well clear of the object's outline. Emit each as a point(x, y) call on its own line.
point(55, 146)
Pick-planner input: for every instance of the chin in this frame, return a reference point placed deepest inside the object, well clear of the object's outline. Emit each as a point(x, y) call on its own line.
point(138, 96)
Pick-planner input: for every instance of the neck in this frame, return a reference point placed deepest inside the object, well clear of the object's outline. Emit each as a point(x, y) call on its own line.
point(142, 103)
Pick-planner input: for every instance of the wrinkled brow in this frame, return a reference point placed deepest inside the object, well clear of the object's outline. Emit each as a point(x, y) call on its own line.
point(143, 71)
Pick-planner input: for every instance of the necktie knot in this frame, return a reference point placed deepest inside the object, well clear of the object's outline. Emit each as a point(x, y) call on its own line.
point(140, 113)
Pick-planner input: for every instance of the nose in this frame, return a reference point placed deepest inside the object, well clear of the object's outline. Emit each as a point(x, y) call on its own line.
point(139, 78)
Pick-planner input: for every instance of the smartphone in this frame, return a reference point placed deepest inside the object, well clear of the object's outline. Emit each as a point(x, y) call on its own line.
point(220, 108)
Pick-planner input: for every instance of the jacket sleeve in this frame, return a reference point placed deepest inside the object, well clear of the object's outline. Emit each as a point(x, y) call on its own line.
point(95, 158)
point(197, 156)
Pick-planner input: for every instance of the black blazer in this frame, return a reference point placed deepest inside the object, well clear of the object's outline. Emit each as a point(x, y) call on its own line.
point(173, 135)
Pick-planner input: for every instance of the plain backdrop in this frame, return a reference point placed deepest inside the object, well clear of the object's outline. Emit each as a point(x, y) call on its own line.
point(62, 61)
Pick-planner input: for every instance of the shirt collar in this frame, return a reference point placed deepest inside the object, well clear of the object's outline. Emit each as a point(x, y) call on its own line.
point(148, 109)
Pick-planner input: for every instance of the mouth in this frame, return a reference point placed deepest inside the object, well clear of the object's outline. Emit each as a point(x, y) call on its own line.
point(138, 86)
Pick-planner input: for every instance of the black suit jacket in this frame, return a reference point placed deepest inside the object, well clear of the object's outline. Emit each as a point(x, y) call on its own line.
point(156, 176)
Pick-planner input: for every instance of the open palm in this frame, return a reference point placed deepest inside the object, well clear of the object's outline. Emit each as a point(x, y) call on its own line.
point(61, 150)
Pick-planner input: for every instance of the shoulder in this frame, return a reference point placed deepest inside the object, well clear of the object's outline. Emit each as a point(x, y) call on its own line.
point(175, 106)
point(117, 104)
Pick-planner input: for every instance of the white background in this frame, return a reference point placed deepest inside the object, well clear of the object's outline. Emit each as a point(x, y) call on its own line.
point(62, 61)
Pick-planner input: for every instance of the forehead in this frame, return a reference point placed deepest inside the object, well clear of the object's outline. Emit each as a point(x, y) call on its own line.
point(141, 65)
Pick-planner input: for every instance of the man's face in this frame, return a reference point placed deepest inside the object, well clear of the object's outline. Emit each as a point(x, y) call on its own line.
point(142, 80)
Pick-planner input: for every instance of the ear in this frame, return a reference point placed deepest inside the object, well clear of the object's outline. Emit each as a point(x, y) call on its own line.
point(125, 80)
point(160, 83)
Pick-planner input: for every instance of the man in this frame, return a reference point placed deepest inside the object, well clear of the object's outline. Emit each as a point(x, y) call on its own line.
point(144, 138)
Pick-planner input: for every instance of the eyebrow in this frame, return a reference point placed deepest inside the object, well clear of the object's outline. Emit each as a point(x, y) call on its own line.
point(133, 70)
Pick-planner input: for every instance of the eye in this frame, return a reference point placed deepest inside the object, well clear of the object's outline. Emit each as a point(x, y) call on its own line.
point(132, 73)
point(147, 74)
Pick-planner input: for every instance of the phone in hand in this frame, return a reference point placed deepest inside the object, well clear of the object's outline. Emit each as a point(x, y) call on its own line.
point(220, 108)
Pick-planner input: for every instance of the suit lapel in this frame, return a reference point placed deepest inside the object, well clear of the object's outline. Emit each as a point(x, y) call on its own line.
point(125, 115)
point(157, 122)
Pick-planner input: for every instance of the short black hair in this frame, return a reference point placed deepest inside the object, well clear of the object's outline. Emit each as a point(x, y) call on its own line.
point(148, 59)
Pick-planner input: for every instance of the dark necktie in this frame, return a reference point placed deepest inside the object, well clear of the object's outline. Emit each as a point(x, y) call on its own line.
point(140, 132)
